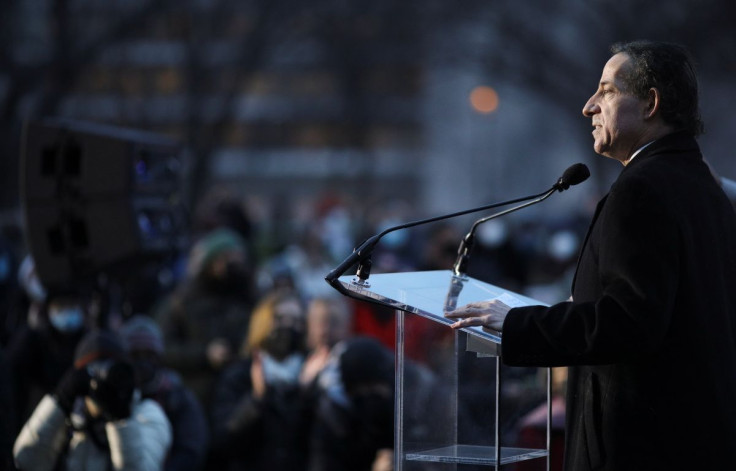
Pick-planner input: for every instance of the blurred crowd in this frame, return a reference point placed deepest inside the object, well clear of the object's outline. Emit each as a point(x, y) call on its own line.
point(236, 354)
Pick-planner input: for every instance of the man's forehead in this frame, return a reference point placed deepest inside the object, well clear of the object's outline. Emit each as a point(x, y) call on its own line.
point(614, 69)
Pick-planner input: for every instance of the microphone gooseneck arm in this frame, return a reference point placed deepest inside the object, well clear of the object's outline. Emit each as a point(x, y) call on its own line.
point(466, 245)
point(361, 255)
point(574, 174)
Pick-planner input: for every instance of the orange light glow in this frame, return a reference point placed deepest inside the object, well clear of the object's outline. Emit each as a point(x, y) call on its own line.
point(484, 99)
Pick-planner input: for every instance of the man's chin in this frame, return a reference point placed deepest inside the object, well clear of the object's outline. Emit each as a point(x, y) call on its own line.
point(600, 149)
point(605, 152)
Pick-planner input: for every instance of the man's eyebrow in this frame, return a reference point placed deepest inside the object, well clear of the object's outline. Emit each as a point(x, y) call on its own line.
point(607, 84)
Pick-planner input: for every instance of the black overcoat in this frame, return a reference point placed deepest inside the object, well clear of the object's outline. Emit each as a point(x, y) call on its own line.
point(651, 332)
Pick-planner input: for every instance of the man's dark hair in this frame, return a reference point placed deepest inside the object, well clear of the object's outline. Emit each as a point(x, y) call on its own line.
point(670, 69)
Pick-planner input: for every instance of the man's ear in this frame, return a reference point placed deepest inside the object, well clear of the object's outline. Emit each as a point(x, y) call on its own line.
point(653, 103)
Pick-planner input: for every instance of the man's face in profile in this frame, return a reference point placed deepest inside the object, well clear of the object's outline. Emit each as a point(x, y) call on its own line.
point(618, 117)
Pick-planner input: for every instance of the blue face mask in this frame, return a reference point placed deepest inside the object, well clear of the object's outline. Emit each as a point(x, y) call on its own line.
point(67, 320)
point(36, 290)
point(285, 371)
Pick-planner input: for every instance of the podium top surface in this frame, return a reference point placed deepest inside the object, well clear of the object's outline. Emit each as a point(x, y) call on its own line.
point(430, 294)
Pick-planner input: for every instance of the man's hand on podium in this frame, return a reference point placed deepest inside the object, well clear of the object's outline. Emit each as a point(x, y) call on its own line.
point(489, 314)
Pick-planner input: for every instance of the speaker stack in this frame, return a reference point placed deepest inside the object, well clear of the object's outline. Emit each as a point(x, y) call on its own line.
point(98, 199)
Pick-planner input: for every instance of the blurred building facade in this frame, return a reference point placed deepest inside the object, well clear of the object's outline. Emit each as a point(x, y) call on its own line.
point(289, 102)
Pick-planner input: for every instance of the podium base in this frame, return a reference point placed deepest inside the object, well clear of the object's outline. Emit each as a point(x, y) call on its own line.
point(475, 454)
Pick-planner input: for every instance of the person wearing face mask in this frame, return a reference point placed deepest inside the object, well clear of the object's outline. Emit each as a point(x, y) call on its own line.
point(257, 409)
point(39, 354)
point(145, 344)
point(353, 425)
point(205, 318)
point(25, 305)
point(329, 321)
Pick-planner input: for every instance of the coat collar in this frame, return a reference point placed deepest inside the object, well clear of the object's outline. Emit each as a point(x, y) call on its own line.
point(676, 142)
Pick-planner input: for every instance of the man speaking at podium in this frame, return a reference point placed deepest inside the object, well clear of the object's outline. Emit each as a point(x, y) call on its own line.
point(650, 331)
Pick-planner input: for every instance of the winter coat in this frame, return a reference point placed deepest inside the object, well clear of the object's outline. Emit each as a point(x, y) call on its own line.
point(253, 433)
point(651, 332)
point(188, 421)
point(37, 358)
point(190, 319)
point(139, 443)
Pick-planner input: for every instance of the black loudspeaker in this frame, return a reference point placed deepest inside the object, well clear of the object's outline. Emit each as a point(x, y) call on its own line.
point(96, 199)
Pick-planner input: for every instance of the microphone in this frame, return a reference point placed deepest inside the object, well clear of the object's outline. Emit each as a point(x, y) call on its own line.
point(361, 255)
point(573, 175)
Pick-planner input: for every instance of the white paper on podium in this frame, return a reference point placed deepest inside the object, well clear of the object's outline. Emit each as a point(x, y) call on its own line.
point(510, 300)
point(430, 293)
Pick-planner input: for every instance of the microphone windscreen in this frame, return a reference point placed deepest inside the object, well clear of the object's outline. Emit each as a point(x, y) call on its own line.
point(574, 174)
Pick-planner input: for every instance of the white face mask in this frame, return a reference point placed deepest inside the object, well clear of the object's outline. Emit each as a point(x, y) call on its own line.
point(66, 320)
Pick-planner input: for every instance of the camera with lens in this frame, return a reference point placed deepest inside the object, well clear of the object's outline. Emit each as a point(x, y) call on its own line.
point(111, 386)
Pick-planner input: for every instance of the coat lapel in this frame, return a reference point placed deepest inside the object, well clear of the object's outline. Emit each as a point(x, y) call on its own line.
point(598, 209)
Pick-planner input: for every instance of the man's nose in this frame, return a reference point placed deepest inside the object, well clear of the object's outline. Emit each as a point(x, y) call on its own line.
point(590, 108)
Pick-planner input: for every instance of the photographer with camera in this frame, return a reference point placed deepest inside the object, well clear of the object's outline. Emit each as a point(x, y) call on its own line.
point(95, 419)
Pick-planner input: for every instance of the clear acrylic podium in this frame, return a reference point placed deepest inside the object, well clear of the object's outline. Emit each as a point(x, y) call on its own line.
point(456, 407)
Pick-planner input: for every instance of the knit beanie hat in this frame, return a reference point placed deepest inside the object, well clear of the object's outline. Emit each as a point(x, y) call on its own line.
point(141, 333)
point(98, 345)
point(210, 246)
point(366, 361)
